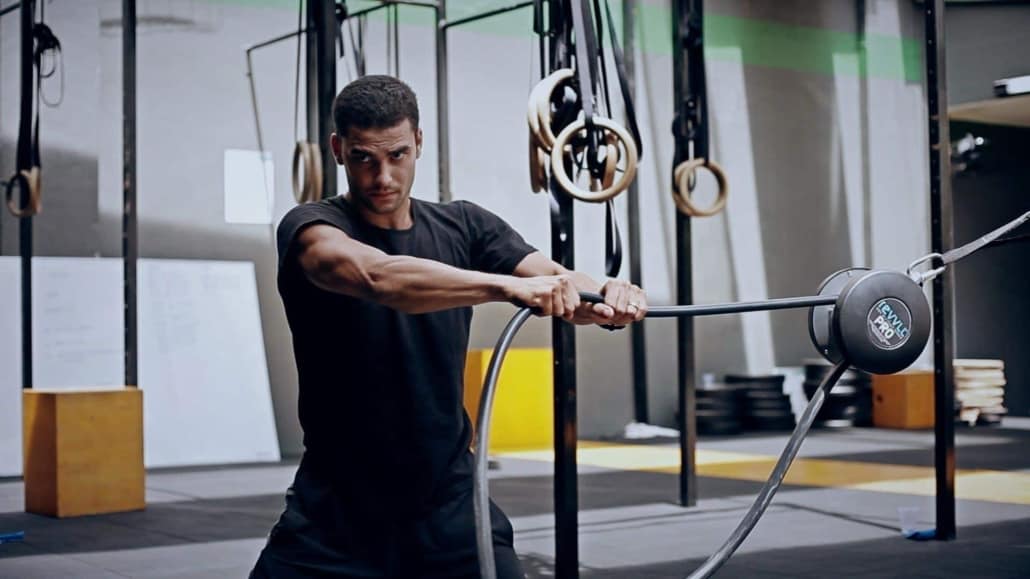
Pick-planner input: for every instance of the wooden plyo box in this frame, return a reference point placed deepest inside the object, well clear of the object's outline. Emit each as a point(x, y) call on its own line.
point(83, 451)
point(903, 400)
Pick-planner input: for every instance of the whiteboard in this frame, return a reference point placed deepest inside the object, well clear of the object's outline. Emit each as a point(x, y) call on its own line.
point(202, 362)
point(206, 397)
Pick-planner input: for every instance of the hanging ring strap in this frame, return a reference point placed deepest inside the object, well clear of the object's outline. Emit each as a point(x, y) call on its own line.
point(683, 177)
point(310, 189)
point(25, 180)
point(563, 146)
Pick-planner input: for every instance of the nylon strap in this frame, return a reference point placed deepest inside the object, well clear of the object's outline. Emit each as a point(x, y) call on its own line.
point(974, 246)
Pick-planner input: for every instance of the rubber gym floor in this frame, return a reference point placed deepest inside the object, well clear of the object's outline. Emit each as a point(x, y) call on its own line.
point(837, 514)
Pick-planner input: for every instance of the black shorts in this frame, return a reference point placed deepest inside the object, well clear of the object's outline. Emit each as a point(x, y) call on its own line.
point(438, 544)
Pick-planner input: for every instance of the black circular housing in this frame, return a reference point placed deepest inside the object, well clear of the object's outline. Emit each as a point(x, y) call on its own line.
point(820, 318)
point(881, 322)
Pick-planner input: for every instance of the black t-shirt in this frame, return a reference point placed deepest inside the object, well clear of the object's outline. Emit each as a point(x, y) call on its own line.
point(380, 390)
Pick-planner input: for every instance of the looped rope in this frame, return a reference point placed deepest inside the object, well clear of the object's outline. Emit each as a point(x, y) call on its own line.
point(310, 189)
point(683, 176)
point(607, 187)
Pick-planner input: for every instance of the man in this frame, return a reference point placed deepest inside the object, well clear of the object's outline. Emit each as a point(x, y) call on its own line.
point(378, 290)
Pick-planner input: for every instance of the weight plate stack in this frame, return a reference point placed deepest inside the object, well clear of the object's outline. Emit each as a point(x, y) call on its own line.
point(849, 403)
point(763, 405)
point(718, 410)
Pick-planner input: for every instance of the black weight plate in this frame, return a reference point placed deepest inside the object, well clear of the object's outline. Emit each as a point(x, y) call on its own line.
point(772, 424)
point(779, 405)
point(763, 395)
point(719, 428)
point(755, 380)
point(727, 405)
point(768, 415)
point(835, 423)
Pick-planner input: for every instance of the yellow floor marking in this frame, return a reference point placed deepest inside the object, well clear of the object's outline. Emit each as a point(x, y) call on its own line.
point(982, 485)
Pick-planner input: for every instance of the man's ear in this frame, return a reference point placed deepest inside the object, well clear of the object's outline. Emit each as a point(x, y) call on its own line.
point(335, 144)
point(418, 143)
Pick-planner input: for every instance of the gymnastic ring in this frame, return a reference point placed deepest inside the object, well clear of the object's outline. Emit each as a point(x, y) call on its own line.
point(561, 143)
point(311, 155)
point(539, 113)
point(681, 192)
point(27, 179)
point(537, 166)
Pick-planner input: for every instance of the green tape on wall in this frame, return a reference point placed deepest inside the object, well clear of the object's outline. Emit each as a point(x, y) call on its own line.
point(761, 43)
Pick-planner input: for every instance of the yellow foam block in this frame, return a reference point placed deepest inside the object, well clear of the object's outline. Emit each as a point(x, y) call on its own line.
point(83, 451)
point(523, 411)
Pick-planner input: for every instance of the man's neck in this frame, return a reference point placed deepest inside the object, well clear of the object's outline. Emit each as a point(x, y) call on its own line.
point(400, 219)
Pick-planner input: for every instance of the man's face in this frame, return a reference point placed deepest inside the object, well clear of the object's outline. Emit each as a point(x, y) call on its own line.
point(380, 164)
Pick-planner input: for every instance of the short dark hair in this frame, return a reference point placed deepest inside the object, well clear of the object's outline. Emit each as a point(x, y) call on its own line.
point(374, 102)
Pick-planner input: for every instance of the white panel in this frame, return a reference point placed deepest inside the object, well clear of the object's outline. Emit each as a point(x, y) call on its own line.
point(852, 156)
point(202, 365)
point(249, 180)
point(10, 367)
point(733, 151)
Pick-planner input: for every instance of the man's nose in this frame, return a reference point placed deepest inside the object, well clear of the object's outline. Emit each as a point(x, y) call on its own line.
point(384, 178)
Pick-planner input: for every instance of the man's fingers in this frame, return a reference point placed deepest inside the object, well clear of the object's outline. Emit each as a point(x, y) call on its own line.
point(570, 298)
point(557, 302)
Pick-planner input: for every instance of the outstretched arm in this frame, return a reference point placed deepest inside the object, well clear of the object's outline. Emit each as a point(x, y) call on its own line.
point(335, 262)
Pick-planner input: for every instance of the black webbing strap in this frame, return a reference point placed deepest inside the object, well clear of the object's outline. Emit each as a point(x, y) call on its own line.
point(612, 241)
point(627, 98)
point(973, 246)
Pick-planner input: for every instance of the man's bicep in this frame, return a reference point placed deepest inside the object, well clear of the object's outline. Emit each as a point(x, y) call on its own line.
point(536, 264)
point(334, 261)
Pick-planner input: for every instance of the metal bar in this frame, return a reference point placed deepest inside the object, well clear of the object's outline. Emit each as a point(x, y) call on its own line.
point(275, 40)
point(566, 493)
point(24, 163)
point(484, 15)
point(942, 240)
point(422, 3)
point(11, 8)
point(695, 310)
point(365, 11)
point(443, 142)
point(130, 237)
point(638, 333)
point(688, 58)
point(389, 3)
point(321, 85)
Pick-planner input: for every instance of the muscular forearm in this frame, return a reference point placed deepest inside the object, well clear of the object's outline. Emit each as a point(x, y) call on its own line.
point(414, 285)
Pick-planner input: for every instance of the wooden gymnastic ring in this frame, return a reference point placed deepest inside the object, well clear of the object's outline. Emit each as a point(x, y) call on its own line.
point(562, 146)
point(539, 113)
point(681, 191)
point(31, 180)
point(537, 166)
point(311, 188)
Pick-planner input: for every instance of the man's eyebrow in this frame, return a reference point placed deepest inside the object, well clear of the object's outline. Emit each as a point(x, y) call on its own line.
point(401, 149)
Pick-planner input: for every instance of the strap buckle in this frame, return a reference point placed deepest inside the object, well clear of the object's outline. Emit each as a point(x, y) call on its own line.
point(928, 275)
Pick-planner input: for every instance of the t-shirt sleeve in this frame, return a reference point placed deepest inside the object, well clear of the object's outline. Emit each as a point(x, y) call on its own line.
point(495, 246)
point(295, 221)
